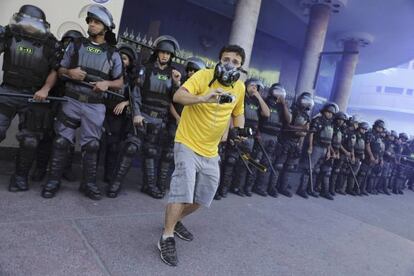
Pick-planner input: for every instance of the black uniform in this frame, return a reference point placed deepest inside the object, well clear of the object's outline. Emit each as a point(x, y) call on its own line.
point(291, 143)
point(28, 61)
point(322, 138)
point(270, 129)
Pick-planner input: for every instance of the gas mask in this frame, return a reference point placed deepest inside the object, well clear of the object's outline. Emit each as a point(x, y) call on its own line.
point(226, 74)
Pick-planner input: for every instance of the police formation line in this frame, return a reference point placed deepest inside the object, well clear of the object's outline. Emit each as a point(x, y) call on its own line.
point(57, 87)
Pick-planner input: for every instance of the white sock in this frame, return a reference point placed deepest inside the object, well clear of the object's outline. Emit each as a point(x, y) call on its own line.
point(164, 237)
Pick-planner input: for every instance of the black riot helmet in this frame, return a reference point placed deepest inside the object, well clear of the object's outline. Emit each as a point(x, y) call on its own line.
point(305, 101)
point(329, 107)
point(340, 116)
point(194, 64)
point(30, 21)
point(129, 51)
point(254, 81)
point(379, 123)
point(277, 90)
point(363, 125)
point(394, 134)
point(100, 13)
point(403, 136)
point(69, 36)
point(166, 43)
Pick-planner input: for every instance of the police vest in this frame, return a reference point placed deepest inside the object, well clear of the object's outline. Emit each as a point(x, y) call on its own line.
point(26, 62)
point(95, 60)
point(251, 112)
point(349, 141)
point(273, 124)
point(325, 132)
point(157, 91)
point(337, 138)
point(359, 147)
point(377, 145)
point(298, 119)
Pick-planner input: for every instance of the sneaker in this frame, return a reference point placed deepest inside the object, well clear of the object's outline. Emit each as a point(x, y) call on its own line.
point(182, 232)
point(168, 252)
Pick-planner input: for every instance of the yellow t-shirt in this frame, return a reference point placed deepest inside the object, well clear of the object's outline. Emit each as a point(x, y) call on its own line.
point(202, 125)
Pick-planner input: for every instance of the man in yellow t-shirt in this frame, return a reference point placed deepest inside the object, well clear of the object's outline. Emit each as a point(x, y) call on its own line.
point(211, 97)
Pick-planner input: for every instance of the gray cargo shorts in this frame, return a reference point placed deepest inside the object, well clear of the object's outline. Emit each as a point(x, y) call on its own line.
point(195, 178)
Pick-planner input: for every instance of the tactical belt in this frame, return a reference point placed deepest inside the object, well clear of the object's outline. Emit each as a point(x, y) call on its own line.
point(83, 98)
point(68, 121)
point(154, 113)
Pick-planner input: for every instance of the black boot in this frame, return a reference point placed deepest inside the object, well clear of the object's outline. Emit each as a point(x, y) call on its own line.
point(150, 185)
point(240, 180)
point(226, 179)
point(250, 180)
point(303, 186)
point(43, 153)
point(284, 180)
point(122, 168)
point(24, 161)
point(164, 176)
point(325, 188)
point(89, 162)
point(57, 163)
point(333, 183)
point(68, 172)
point(274, 179)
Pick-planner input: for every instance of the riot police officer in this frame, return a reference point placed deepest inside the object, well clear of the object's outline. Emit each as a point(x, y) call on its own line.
point(124, 139)
point(318, 151)
point(91, 66)
point(400, 173)
point(234, 168)
point(158, 80)
point(390, 157)
point(44, 149)
point(270, 128)
point(291, 141)
point(352, 171)
point(340, 154)
point(372, 164)
point(31, 57)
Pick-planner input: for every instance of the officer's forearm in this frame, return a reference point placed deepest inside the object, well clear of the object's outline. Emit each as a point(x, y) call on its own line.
point(50, 81)
point(174, 112)
point(368, 147)
point(63, 71)
point(265, 111)
point(116, 84)
point(286, 113)
point(238, 121)
point(182, 96)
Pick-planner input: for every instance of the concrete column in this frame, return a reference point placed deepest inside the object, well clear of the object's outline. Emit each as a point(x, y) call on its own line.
point(341, 88)
point(345, 69)
point(243, 29)
point(314, 42)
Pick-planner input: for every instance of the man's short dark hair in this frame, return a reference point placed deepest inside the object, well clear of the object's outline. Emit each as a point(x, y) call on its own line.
point(235, 49)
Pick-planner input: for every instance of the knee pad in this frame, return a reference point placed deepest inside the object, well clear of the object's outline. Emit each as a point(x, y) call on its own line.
point(61, 143)
point(231, 160)
point(92, 146)
point(151, 152)
point(29, 142)
point(278, 167)
point(317, 170)
point(290, 168)
point(130, 149)
point(169, 156)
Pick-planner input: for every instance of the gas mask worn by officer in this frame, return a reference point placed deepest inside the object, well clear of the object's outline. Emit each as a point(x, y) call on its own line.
point(270, 128)
point(31, 54)
point(157, 92)
point(291, 140)
point(243, 181)
point(85, 109)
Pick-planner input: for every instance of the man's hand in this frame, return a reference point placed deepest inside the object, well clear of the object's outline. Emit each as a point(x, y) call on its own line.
point(138, 121)
point(176, 76)
point(40, 95)
point(100, 86)
point(212, 96)
point(256, 94)
point(119, 108)
point(281, 100)
point(177, 120)
point(76, 74)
